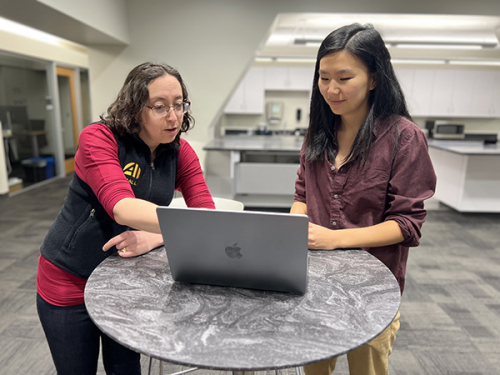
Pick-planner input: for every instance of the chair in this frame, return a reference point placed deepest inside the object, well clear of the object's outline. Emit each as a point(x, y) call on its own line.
point(220, 204)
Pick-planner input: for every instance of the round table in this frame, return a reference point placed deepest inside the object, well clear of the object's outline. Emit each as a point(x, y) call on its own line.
point(351, 298)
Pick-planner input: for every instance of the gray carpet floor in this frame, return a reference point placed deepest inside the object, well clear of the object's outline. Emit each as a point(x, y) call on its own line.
point(450, 312)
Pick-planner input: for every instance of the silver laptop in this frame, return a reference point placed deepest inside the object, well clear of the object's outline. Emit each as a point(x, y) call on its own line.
point(247, 249)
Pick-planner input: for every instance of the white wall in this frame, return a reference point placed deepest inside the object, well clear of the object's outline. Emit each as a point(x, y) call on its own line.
point(213, 42)
point(108, 16)
point(210, 43)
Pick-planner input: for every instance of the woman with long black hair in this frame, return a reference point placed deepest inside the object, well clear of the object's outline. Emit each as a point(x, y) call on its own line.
point(365, 169)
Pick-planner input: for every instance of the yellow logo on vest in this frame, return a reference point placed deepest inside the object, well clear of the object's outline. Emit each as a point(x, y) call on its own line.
point(132, 171)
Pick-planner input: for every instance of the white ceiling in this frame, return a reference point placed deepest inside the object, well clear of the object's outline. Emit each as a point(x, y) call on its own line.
point(290, 29)
point(37, 15)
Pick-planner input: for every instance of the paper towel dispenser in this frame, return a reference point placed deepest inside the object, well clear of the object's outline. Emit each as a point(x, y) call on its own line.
point(274, 112)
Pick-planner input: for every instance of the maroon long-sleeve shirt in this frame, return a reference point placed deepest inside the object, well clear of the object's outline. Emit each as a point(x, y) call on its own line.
point(396, 179)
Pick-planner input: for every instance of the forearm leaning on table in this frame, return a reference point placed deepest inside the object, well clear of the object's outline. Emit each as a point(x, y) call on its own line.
point(383, 234)
point(138, 214)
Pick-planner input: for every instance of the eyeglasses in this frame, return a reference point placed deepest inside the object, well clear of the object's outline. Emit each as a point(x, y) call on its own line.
point(163, 110)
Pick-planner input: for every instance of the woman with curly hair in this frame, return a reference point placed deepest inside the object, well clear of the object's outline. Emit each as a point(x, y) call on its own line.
point(126, 165)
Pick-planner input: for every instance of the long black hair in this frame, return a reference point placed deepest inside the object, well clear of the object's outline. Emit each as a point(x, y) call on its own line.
point(385, 100)
point(124, 114)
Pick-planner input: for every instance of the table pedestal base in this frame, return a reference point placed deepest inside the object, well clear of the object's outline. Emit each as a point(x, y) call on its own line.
point(298, 370)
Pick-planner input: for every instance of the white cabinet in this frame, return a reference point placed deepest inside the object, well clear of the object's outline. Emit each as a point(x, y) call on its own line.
point(265, 178)
point(442, 93)
point(466, 84)
point(451, 92)
point(248, 97)
point(485, 93)
point(428, 92)
point(417, 85)
point(288, 78)
point(468, 182)
point(495, 105)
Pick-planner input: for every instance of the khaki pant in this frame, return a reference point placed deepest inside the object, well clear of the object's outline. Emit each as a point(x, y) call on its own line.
point(370, 359)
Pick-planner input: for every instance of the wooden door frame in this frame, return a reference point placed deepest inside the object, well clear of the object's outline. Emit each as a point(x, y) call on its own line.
point(69, 73)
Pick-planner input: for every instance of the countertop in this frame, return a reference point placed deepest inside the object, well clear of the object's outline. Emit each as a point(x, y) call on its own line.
point(293, 144)
point(465, 147)
point(351, 297)
point(274, 143)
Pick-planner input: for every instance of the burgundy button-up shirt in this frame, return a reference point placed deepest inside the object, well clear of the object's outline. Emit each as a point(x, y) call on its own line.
point(396, 179)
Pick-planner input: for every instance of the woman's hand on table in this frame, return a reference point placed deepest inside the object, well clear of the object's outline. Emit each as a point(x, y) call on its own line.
point(134, 242)
point(320, 238)
point(382, 234)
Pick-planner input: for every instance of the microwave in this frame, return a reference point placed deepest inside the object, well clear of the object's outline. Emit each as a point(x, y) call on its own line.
point(445, 130)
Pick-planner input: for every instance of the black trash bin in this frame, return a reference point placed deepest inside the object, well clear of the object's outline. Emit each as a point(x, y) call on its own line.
point(34, 169)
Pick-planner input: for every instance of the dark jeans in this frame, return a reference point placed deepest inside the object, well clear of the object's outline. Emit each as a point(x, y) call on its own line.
point(74, 343)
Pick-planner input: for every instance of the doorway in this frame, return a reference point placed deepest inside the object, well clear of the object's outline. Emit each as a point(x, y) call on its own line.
point(27, 129)
point(69, 120)
point(42, 110)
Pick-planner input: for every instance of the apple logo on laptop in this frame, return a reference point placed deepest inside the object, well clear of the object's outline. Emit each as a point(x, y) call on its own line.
point(234, 252)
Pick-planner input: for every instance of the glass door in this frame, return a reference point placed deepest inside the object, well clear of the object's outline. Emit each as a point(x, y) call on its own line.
point(27, 129)
point(42, 109)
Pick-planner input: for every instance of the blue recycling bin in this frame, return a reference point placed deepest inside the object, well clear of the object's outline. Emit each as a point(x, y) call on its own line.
point(39, 168)
point(49, 168)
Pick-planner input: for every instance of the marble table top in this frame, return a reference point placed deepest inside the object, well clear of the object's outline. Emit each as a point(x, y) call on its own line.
point(351, 297)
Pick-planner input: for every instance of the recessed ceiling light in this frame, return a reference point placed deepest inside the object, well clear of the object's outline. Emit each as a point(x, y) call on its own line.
point(472, 62)
point(418, 61)
point(296, 59)
point(28, 32)
point(439, 46)
point(263, 59)
point(313, 44)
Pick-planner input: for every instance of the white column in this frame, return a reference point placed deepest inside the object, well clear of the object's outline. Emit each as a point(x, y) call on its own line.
point(55, 115)
point(4, 178)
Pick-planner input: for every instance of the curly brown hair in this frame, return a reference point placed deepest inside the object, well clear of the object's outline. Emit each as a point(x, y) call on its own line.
point(123, 115)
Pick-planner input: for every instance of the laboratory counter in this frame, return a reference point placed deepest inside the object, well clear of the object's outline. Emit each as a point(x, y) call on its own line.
point(258, 170)
point(465, 147)
point(245, 143)
point(468, 174)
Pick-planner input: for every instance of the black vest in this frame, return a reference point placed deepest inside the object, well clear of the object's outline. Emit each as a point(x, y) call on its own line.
point(74, 241)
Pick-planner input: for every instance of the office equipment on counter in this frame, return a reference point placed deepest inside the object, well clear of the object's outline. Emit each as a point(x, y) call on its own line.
point(439, 129)
point(300, 131)
point(237, 131)
point(246, 249)
point(263, 129)
point(488, 139)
